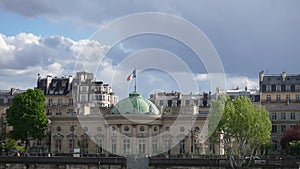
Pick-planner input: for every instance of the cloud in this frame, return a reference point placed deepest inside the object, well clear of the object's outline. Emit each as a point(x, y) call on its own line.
point(83, 13)
point(249, 35)
point(232, 81)
point(25, 55)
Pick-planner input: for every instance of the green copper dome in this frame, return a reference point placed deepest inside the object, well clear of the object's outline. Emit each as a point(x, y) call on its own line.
point(134, 104)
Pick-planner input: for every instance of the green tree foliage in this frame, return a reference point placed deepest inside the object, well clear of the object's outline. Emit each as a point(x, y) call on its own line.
point(27, 115)
point(295, 147)
point(242, 126)
point(10, 143)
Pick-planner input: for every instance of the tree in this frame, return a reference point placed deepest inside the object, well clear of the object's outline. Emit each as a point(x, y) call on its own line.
point(242, 126)
point(27, 116)
point(289, 135)
point(295, 147)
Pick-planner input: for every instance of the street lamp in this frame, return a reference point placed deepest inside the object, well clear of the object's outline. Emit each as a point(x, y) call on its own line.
point(98, 153)
point(73, 125)
point(49, 135)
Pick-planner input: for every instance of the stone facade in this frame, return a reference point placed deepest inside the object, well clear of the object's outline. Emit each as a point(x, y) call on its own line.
point(142, 130)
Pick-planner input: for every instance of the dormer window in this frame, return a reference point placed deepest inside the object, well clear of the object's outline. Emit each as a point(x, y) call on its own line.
point(288, 88)
point(54, 84)
point(268, 87)
point(278, 88)
point(63, 83)
point(297, 87)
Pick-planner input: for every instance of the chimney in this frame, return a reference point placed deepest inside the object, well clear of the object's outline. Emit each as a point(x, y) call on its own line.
point(283, 74)
point(261, 76)
point(12, 91)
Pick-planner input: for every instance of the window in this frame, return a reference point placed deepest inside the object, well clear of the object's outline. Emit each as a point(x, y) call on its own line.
point(98, 97)
point(167, 144)
point(48, 112)
point(182, 129)
point(142, 146)
point(297, 87)
point(278, 98)
point(58, 128)
point(99, 145)
point(70, 101)
point(274, 128)
point(167, 129)
point(114, 146)
point(59, 101)
point(126, 146)
point(83, 97)
point(84, 144)
point(50, 101)
point(283, 117)
point(182, 147)
point(71, 144)
point(278, 88)
point(155, 129)
point(83, 89)
point(268, 88)
point(187, 102)
point(293, 116)
point(283, 127)
point(273, 117)
point(58, 144)
point(288, 88)
point(142, 128)
point(63, 84)
point(268, 98)
point(58, 112)
point(72, 128)
point(288, 97)
point(154, 146)
point(297, 97)
point(275, 142)
point(126, 128)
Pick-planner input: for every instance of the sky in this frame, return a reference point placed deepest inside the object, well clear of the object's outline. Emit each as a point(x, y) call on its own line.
point(61, 37)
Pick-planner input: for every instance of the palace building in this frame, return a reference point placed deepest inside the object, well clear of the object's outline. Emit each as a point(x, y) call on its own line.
point(133, 127)
point(86, 115)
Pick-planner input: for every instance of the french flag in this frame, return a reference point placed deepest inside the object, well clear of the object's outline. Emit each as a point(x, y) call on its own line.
point(132, 75)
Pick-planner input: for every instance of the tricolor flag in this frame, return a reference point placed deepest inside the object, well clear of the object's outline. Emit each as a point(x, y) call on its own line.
point(132, 75)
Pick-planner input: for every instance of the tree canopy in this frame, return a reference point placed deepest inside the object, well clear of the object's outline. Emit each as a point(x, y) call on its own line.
point(242, 126)
point(27, 115)
point(290, 135)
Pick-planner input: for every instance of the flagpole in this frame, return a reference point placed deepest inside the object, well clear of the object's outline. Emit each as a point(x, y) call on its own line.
point(135, 82)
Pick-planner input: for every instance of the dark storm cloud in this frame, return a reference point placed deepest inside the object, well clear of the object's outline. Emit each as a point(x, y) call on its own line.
point(249, 36)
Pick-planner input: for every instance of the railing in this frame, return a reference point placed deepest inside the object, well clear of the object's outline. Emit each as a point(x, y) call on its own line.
point(153, 161)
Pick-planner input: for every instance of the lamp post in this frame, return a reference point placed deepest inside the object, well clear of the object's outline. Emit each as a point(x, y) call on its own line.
point(49, 136)
point(192, 134)
point(73, 125)
point(98, 153)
